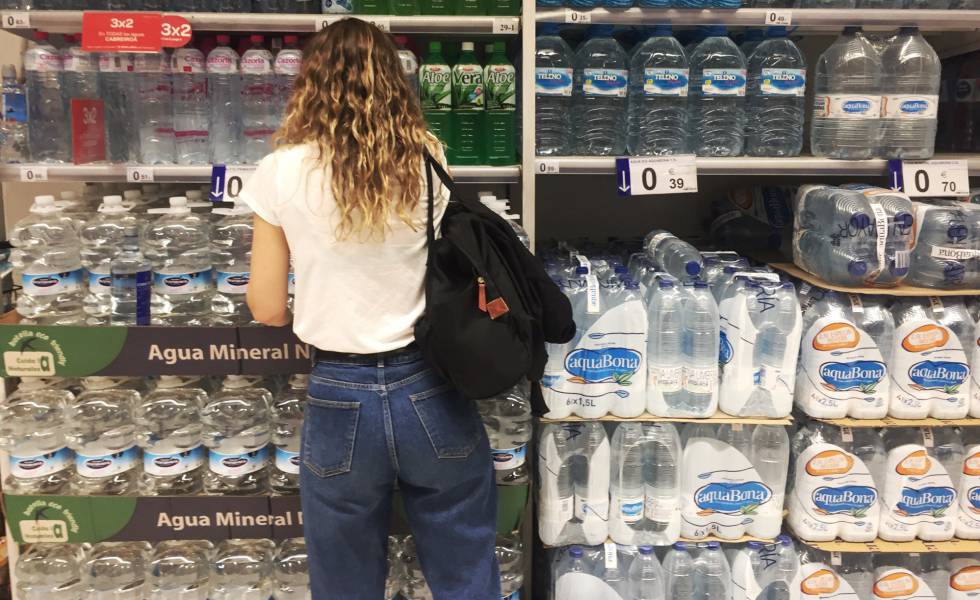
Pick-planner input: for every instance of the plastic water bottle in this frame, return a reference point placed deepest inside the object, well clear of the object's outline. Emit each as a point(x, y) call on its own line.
point(665, 383)
point(910, 96)
point(751, 38)
point(81, 72)
point(435, 93)
point(679, 573)
point(507, 419)
point(46, 108)
point(699, 350)
point(118, 89)
point(646, 578)
point(510, 558)
point(102, 433)
point(662, 489)
point(47, 261)
point(50, 572)
point(225, 95)
point(291, 570)
point(770, 457)
point(179, 569)
point(132, 282)
point(945, 230)
point(712, 575)
point(154, 109)
point(626, 489)
point(573, 563)
point(774, 325)
point(718, 76)
point(116, 570)
point(286, 67)
point(168, 428)
point(258, 97)
point(13, 122)
point(101, 241)
point(469, 104)
point(190, 104)
point(847, 101)
point(658, 109)
point(287, 422)
point(32, 432)
point(231, 257)
point(599, 103)
point(177, 243)
point(237, 432)
point(553, 93)
point(242, 570)
point(673, 255)
point(777, 83)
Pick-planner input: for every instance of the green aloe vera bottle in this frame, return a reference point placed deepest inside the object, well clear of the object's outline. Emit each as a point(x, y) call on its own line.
point(469, 99)
point(435, 93)
point(500, 80)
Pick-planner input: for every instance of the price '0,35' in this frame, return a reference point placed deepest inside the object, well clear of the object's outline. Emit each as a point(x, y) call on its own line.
point(122, 23)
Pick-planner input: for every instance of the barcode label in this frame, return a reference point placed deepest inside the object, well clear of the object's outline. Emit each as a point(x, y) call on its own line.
point(927, 439)
point(846, 434)
point(612, 558)
point(902, 259)
point(937, 304)
point(856, 304)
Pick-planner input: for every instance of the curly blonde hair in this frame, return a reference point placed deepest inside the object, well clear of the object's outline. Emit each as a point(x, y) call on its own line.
point(353, 102)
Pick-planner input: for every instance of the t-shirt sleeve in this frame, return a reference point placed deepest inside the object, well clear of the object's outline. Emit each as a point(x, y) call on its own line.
point(261, 190)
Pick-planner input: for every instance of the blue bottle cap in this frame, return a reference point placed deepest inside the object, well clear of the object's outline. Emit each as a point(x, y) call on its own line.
point(754, 545)
point(666, 284)
point(904, 219)
point(714, 545)
point(857, 268)
point(788, 285)
point(645, 550)
point(700, 284)
point(620, 269)
point(682, 546)
point(784, 539)
point(575, 552)
point(662, 30)
point(549, 28)
point(777, 31)
point(581, 270)
point(716, 31)
point(692, 267)
point(729, 269)
point(860, 221)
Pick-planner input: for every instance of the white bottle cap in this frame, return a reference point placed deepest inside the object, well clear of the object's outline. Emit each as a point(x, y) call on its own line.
point(113, 205)
point(170, 381)
point(467, 46)
point(44, 205)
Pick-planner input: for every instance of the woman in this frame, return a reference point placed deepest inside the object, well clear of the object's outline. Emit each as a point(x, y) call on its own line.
point(343, 198)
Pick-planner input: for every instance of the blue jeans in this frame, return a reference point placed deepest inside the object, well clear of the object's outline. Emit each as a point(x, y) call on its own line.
point(372, 420)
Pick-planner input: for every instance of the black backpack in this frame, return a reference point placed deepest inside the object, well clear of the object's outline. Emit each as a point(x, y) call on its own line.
point(490, 306)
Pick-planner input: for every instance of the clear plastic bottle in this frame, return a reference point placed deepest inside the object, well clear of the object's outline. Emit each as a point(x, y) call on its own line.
point(13, 122)
point(646, 578)
point(910, 96)
point(510, 558)
point(847, 99)
point(179, 570)
point(132, 282)
point(679, 573)
point(102, 433)
point(292, 571)
point(154, 109)
point(81, 72)
point(168, 422)
point(770, 457)
point(47, 261)
point(599, 102)
point(46, 109)
point(626, 486)
point(225, 95)
point(777, 83)
point(101, 242)
point(773, 325)
point(118, 88)
point(673, 255)
point(665, 381)
point(287, 422)
point(662, 476)
point(718, 76)
point(507, 419)
point(571, 562)
point(50, 572)
point(231, 257)
point(699, 350)
point(712, 575)
point(286, 68)
point(190, 105)
point(242, 570)
point(116, 570)
point(237, 431)
point(259, 118)
point(658, 106)
point(553, 93)
point(32, 431)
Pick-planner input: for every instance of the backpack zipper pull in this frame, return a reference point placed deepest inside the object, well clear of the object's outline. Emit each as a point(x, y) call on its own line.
point(482, 295)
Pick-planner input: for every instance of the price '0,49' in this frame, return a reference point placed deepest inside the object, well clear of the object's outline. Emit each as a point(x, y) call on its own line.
point(122, 23)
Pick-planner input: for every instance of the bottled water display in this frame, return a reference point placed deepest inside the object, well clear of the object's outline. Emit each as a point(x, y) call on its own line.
point(718, 76)
point(190, 105)
point(599, 101)
point(946, 250)
point(118, 89)
point(242, 570)
point(288, 408)
point(258, 97)
point(910, 88)
point(46, 109)
point(101, 239)
point(553, 67)
point(658, 90)
point(13, 122)
point(225, 95)
point(154, 107)
point(33, 425)
point(236, 429)
point(132, 282)
point(50, 572)
point(776, 86)
point(168, 428)
point(507, 418)
point(231, 257)
point(116, 570)
point(669, 253)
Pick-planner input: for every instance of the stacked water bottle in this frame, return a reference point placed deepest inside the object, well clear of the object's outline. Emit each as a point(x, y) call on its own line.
point(713, 98)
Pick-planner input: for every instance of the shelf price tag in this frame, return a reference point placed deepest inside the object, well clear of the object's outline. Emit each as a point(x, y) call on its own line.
point(175, 31)
point(505, 25)
point(547, 166)
point(577, 17)
point(16, 19)
point(656, 175)
point(33, 174)
point(139, 174)
point(227, 181)
point(382, 23)
point(778, 17)
point(937, 177)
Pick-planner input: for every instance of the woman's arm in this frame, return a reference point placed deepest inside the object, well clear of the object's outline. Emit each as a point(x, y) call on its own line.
point(268, 283)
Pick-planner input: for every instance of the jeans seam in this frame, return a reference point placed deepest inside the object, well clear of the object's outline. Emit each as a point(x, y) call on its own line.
point(346, 464)
point(389, 432)
point(410, 379)
point(368, 387)
point(456, 453)
point(430, 393)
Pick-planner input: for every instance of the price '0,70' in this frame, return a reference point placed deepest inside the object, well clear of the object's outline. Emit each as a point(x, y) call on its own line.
point(122, 23)
point(921, 182)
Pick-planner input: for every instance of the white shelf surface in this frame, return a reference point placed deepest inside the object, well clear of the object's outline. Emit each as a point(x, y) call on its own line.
point(747, 165)
point(70, 21)
point(803, 18)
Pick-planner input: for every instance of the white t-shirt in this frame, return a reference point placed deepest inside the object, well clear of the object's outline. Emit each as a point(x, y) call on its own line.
point(351, 295)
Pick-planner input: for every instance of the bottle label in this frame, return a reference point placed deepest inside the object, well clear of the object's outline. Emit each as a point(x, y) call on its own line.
point(235, 465)
point(658, 81)
point(701, 380)
point(106, 465)
point(847, 106)
point(667, 380)
point(175, 284)
point(660, 510)
point(553, 81)
point(900, 584)
point(435, 87)
point(897, 106)
point(834, 486)
point(257, 62)
point(723, 82)
point(951, 253)
point(115, 63)
point(231, 283)
point(42, 60)
point(49, 284)
point(605, 82)
point(42, 465)
point(288, 62)
point(187, 60)
point(515, 596)
point(222, 63)
point(783, 82)
point(151, 63)
point(631, 509)
point(15, 107)
point(291, 284)
point(468, 88)
point(930, 372)
point(77, 61)
point(501, 84)
point(287, 462)
point(165, 465)
point(505, 459)
point(99, 283)
point(843, 367)
point(336, 6)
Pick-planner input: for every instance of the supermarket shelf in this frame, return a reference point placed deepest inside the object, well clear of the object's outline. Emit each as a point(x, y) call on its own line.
point(710, 538)
point(902, 290)
point(813, 19)
point(880, 545)
point(202, 173)
point(893, 422)
point(70, 21)
point(743, 165)
point(718, 418)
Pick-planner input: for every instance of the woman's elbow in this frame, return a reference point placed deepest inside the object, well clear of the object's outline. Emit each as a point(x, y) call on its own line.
point(274, 314)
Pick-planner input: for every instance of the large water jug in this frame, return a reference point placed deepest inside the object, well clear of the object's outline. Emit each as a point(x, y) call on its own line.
point(718, 76)
point(599, 105)
point(658, 105)
point(776, 86)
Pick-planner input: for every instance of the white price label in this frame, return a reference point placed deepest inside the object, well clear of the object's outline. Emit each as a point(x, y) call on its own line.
point(505, 25)
point(227, 182)
point(936, 177)
point(33, 174)
point(16, 19)
point(321, 22)
point(611, 555)
point(139, 174)
point(577, 17)
point(657, 175)
point(778, 17)
point(548, 166)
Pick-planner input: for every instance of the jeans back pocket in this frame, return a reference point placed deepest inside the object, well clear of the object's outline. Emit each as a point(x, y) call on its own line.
point(329, 433)
point(451, 421)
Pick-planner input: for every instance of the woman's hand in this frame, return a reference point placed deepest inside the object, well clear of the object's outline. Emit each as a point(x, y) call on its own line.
point(268, 285)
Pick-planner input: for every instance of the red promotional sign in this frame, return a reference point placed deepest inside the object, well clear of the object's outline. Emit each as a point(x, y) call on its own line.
point(175, 31)
point(121, 31)
point(87, 131)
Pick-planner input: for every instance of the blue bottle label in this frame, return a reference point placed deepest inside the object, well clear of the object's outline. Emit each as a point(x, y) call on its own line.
point(42, 465)
point(286, 461)
point(165, 465)
point(723, 82)
point(515, 596)
point(99, 283)
point(553, 81)
point(605, 82)
point(107, 465)
point(505, 459)
point(898, 106)
point(236, 465)
point(15, 107)
point(783, 82)
point(231, 282)
point(49, 284)
point(662, 81)
point(336, 6)
point(847, 106)
point(142, 283)
point(174, 284)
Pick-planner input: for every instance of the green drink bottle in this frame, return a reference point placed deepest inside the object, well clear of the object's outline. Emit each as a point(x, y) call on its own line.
point(468, 109)
point(405, 7)
point(471, 7)
point(371, 7)
point(511, 8)
point(500, 80)
point(438, 7)
point(435, 94)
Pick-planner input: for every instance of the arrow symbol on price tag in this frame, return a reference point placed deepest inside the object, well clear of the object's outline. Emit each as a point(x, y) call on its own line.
point(623, 169)
point(217, 183)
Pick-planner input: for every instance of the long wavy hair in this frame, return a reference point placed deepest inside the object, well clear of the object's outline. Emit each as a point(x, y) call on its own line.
point(354, 103)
